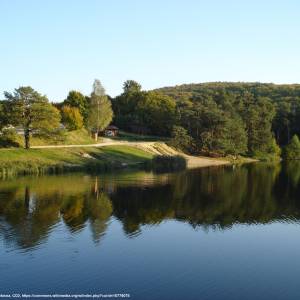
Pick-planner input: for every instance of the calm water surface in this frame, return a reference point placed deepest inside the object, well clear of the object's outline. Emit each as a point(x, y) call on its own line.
point(215, 233)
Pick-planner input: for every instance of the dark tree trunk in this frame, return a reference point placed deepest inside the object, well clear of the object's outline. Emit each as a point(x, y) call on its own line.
point(27, 138)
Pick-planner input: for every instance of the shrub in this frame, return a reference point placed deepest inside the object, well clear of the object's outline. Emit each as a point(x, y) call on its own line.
point(8, 138)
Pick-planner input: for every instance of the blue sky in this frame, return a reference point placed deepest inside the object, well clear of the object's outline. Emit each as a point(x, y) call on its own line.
point(56, 46)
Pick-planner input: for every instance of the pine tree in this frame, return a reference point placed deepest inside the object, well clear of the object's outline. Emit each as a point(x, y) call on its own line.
point(32, 111)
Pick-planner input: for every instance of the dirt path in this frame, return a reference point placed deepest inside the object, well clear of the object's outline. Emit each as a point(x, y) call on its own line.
point(156, 148)
point(105, 142)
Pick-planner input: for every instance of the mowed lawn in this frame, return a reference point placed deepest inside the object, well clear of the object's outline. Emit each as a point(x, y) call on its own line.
point(28, 161)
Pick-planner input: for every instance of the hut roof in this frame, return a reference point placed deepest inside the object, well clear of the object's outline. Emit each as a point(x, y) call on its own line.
point(111, 127)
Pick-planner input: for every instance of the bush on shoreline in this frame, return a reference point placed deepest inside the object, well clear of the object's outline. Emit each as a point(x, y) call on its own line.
point(8, 139)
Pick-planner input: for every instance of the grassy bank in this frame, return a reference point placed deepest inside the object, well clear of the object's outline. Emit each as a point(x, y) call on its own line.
point(39, 161)
point(75, 137)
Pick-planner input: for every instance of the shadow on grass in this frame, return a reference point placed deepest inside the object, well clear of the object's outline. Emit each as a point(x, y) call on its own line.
point(131, 155)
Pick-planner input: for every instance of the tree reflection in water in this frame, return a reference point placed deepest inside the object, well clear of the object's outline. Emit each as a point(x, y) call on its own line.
point(218, 198)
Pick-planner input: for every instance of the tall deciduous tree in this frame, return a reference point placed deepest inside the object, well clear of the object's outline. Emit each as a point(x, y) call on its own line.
point(100, 112)
point(31, 111)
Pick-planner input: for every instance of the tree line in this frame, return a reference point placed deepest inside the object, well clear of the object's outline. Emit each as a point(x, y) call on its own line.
point(219, 119)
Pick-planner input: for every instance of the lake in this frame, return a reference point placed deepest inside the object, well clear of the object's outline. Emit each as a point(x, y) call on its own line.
point(213, 233)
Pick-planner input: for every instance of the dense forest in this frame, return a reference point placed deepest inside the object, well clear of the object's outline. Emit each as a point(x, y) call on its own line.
point(214, 118)
point(217, 119)
point(284, 101)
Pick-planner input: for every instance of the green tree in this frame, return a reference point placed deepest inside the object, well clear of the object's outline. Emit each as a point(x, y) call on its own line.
point(181, 139)
point(77, 99)
point(156, 112)
point(71, 117)
point(258, 115)
point(233, 137)
point(144, 112)
point(214, 123)
point(292, 150)
point(100, 110)
point(282, 121)
point(124, 106)
point(131, 86)
point(33, 112)
point(274, 150)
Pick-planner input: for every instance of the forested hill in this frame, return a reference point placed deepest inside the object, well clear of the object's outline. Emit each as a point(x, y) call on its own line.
point(219, 118)
point(220, 115)
point(198, 90)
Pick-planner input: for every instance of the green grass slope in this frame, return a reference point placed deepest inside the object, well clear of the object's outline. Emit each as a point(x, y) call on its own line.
point(75, 137)
point(38, 161)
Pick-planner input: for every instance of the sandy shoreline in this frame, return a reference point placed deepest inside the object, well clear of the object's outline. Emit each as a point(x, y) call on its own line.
point(199, 162)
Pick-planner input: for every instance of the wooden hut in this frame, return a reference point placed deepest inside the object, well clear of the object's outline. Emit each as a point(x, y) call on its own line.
point(111, 131)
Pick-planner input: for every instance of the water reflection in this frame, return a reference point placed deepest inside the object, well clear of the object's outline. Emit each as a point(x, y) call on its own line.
point(213, 198)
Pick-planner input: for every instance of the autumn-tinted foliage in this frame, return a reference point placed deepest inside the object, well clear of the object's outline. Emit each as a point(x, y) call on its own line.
point(78, 100)
point(71, 117)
